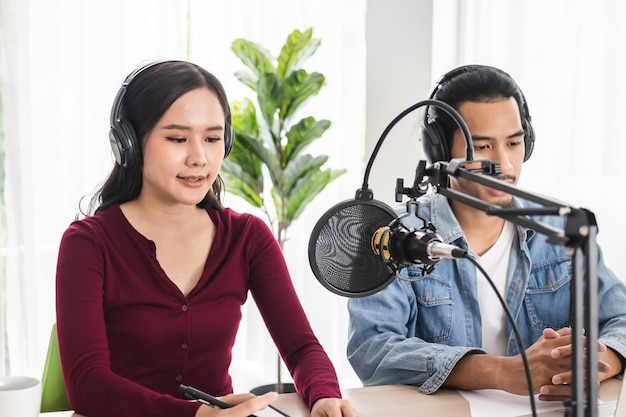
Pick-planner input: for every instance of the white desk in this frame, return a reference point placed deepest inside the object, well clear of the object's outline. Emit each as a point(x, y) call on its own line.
point(407, 401)
point(396, 401)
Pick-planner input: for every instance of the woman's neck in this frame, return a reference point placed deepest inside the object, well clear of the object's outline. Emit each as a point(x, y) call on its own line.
point(155, 219)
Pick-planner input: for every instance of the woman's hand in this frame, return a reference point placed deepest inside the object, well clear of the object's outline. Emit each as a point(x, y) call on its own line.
point(333, 407)
point(244, 405)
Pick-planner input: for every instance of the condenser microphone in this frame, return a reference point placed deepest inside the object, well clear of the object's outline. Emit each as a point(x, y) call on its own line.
point(358, 246)
point(402, 246)
point(340, 246)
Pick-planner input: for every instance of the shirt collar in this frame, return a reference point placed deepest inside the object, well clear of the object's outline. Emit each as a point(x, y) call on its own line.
point(443, 219)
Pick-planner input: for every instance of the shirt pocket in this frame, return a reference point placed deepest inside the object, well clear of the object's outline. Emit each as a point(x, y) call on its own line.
point(434, 309)
point(547, 297)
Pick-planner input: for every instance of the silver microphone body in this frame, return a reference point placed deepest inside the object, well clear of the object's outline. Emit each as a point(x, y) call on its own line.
point(444, 250)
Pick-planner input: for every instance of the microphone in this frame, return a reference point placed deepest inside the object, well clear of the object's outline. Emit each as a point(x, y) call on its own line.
point(358, 246)
point(341, 252)
point(403, 246)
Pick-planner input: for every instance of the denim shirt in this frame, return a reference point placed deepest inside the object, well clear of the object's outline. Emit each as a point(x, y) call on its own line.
point(414, 332)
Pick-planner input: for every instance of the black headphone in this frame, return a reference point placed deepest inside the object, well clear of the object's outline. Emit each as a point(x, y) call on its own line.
point(122, 136)
point(432, 134)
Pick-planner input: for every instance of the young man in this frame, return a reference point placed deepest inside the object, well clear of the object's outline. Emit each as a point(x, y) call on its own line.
point(448, 328)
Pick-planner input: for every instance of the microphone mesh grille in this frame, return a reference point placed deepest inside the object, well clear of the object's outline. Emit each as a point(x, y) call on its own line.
point(340, 251)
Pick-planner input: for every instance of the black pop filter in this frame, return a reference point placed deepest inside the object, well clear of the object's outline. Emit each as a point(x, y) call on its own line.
point(340, 251)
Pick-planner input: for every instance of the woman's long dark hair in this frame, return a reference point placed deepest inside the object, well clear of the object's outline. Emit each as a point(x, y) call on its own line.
point(148, 96)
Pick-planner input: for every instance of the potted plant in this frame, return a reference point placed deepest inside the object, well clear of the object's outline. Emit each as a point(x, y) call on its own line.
point(270, 138)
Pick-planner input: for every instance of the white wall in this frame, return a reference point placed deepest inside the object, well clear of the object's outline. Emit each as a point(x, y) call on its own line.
point(399, 38)
point(408, 50)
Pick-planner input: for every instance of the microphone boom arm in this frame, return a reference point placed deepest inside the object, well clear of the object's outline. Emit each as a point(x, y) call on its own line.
point(578, 236)
point(438, 176)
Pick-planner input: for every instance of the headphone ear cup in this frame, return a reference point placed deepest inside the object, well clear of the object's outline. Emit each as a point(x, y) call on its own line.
point(434, 142)
point(529, 140)
point(124, 144)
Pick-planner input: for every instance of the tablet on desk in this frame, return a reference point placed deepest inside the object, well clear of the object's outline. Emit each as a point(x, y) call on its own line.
point(604, 410)
point(270, 412)
point(607, 409)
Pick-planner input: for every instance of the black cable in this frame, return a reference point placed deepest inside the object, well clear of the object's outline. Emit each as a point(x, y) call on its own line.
point(518, 338)
point(469, 148)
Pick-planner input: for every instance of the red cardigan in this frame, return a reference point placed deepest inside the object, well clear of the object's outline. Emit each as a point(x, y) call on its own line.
point(128, 336)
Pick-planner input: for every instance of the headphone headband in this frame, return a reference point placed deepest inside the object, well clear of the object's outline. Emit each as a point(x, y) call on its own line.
point(122, 136)
point(432, 135)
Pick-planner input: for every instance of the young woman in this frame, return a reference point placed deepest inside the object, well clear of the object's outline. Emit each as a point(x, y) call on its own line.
point(150, 284)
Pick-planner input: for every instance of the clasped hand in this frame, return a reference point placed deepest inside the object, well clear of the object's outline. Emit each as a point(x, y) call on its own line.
point(550, 361)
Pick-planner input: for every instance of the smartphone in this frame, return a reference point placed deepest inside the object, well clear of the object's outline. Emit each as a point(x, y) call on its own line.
point(196, 394)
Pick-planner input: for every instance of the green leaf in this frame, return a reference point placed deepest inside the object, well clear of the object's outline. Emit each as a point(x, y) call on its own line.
point(301, 135)
point(253, 149)
point(277, 200)
point(253, 56)
point(299, 47)
point(250, 152)
point(248, 79)
point(244, 118)
point(298, 87)
point(274, 169)
point(269, 96)
point(299, 168)
point(306, 189)
point(244, 165)
point(246, 145)
point(244, 154)
point(241, 184)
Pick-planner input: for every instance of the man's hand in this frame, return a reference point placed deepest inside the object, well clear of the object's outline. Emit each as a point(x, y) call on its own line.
point(543, 365)
point(479, 371)
point(559, 388)
point(550, 362)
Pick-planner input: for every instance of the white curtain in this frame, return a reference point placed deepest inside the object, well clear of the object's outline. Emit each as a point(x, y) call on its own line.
point(62, 63)
point(569, 58)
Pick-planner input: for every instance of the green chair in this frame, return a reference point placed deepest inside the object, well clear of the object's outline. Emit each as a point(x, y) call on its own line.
point(53, 394)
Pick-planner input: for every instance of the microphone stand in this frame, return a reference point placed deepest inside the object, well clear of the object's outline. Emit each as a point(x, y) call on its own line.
point(579, 237)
